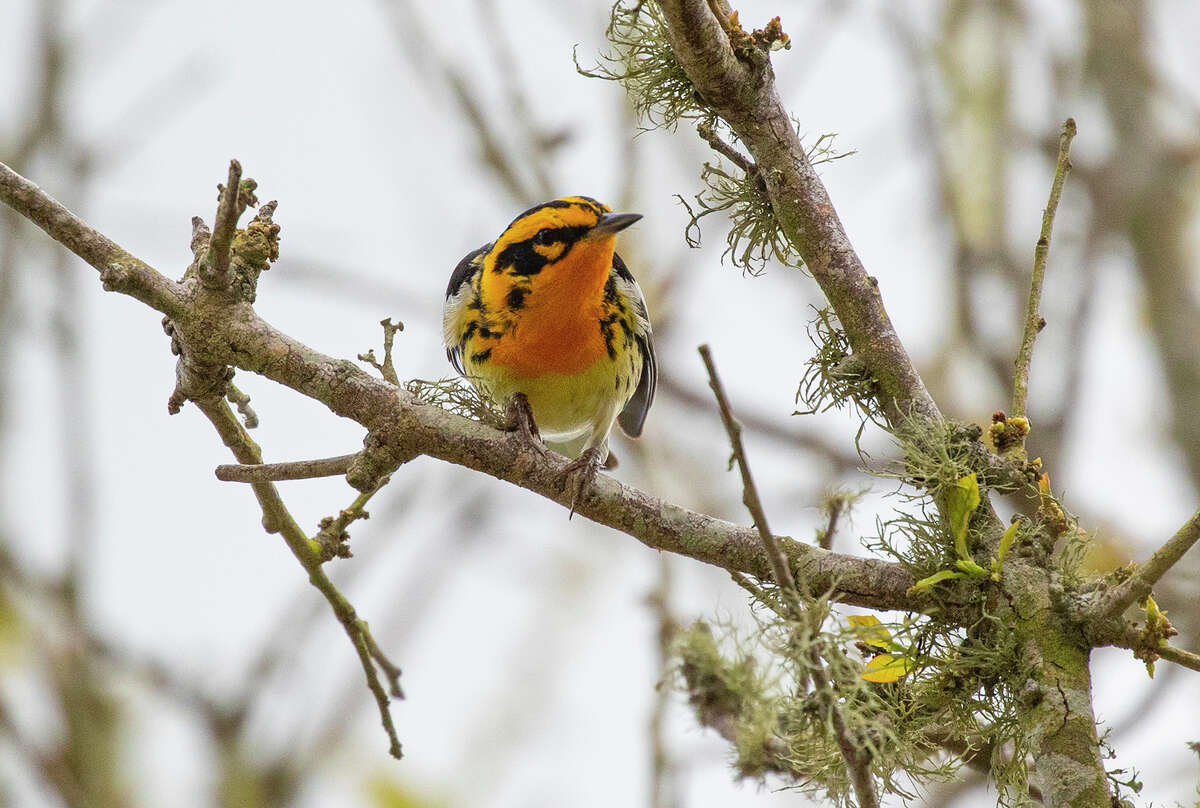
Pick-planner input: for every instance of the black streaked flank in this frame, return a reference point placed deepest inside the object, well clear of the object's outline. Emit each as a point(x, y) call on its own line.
point(481, 356)
point(610, 290)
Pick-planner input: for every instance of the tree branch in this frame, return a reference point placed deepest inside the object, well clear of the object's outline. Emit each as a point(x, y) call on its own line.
point(214, 270)
point(294, 470)
point(400, 427)
point(1033, 321)
point(277, 519)
point(1137, 587)
point(743, 93)
point(119, 271)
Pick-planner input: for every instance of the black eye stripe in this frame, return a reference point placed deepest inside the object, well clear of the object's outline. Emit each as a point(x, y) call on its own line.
point(560, 235)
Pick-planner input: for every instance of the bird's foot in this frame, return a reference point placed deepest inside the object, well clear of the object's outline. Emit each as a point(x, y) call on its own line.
point(518, 417)
point(579, 475)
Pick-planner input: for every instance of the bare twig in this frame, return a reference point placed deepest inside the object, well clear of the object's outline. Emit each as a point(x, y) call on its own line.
point(242, 401)
point(1033, 320)
point(709, 135)
point(857, 760)
point(119, 271)
point(389, 668)
point(1180, 657)
point(834, 505)
point(780, 570)
point(277, 519)
point(230, 207)
point(843, 461)
point(331, 533)
point(1138, 586)
point(386, 369)
point(294, 470)
point(1132, 637)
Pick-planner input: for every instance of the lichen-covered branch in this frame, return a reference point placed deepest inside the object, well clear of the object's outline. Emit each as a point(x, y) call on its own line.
point(742, 92)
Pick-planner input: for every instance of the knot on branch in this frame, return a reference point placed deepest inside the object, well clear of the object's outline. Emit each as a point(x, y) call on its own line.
point(198, 381)
point(333, 537)
point(254, 249)
point(194, 379)
point(379, 458)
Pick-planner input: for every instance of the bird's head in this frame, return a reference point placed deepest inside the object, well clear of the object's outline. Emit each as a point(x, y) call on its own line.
point(574, 234)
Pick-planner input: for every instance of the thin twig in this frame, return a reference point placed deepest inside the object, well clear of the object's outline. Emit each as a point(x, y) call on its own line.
point(835, 505)
point(386, 369)
point(390, 669)
point(841, 461)
point(857, 760)
point(293, 470)
point(1133, 637)
point(779, 566)
point(1138, 586)
point(242, 401)
point(277, 519)
point(1033, 320)
point(1180, 657)
point(229, 210)
point(331, 533)
point(709, 135)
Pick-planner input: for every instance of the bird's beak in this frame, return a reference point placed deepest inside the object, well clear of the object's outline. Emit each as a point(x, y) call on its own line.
point(611, 223)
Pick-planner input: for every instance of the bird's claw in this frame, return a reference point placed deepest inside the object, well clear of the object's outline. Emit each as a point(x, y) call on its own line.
point(518, 417)
point(579, 475)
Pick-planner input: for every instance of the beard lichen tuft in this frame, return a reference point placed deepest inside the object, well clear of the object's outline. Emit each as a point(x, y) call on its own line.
point(644, 64)
point(458, 397)
point(834, 376)
point(754, 233)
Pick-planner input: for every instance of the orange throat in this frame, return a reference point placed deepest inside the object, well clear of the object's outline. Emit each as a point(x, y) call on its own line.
point(558, 330)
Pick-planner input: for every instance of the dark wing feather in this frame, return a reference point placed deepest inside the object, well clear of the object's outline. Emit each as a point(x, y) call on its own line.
point(457, 297)
point(633, 417)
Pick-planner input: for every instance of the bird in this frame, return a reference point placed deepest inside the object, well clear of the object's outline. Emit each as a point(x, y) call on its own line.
point(548, 322)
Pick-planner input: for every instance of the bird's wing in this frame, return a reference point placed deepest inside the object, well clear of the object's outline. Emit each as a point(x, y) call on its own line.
point(633, 416)
point(462, 304)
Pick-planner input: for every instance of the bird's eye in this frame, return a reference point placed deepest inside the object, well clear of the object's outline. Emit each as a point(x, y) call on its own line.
point(543, 236)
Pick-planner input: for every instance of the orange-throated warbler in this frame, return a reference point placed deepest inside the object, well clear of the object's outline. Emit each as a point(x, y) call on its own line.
point(548, 320)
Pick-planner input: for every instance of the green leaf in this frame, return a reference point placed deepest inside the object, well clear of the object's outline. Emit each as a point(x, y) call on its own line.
point(936, 578)
point(887, 668)
point(1006, 540)
point(961, 502)
point(971, 568)
point(868, 629)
